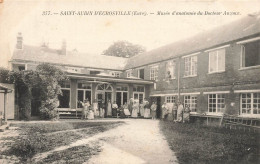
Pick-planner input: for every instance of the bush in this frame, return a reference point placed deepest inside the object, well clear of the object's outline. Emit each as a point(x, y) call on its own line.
point(48, 114)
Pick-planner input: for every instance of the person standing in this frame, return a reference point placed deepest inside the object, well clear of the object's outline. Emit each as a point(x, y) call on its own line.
point(142, 109)
point(153, 110)
point(126, 110)
point(130, 106)
point(135, 109)
point(114, 109)
point(174, 111)
point(146, 109)
point(101, 109)
point(179, 112)
point(109, 109)
point(95, 108)
point(85, 106)
point(186, 113)
point(169, 113)
point(164, 110)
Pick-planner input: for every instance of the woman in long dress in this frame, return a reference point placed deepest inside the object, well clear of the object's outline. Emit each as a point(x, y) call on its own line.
point(109, 109)
point(146, 109)
point(179, 112)
point(135, 109)
point(142, 109)
point(95, 108)
point(174, 111)
point(186, 113)
point(164, 110)
point(126, 110)
point(114, 109)
point(101, 109)
point(169, 115)
point(153, 110)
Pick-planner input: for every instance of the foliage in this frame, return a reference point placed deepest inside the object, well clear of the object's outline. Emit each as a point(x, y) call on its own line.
point(195, 143)
point(40, 137)
point(123, 49)
point(23, 81)
point(48, 85)
point(44, 81)
point(4, 75)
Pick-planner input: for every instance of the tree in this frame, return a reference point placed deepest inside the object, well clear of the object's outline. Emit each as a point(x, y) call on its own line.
point(123, 49)
point(44, 81)
point(48, 86)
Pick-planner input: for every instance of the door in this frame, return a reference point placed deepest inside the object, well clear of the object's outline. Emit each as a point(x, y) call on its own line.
point(121, 98)
point(139, 96)
point(118, 99)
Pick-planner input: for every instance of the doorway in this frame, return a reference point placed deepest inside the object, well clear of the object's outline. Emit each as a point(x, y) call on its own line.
point(121, 98)
point(104, 92)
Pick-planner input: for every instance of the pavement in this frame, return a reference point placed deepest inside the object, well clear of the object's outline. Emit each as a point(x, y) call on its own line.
point(138, 141)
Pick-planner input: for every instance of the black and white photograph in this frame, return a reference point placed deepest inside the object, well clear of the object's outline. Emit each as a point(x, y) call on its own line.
point(129, 81)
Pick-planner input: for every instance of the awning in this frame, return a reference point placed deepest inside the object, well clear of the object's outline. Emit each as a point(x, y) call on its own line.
point(95, 78)
point(5, 88)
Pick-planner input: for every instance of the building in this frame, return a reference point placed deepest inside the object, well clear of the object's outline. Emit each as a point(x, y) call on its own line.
point(212, 71)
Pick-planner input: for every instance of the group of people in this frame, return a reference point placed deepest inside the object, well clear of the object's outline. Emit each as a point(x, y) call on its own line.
point(134, 109)
point(177, 113)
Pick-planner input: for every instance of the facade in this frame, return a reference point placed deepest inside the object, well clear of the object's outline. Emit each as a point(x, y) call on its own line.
point(213, 72)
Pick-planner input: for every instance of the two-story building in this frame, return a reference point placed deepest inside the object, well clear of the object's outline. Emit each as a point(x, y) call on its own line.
point(213, 71)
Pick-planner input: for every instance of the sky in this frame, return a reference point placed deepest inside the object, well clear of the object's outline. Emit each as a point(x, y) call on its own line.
point(93, 34)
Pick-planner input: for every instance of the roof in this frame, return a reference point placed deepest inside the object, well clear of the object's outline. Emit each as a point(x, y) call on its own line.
point(234, 31)
point(72, 58)
point(5, 88)
point(242, 28)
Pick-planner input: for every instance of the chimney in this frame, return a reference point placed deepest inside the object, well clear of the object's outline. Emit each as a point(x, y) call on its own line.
point(63, 47)
point(19, 43)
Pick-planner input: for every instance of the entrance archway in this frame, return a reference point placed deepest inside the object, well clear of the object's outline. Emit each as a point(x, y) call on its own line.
point(104, 92)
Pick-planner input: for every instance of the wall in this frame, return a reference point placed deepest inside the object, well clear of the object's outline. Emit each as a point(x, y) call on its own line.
point(10, 102)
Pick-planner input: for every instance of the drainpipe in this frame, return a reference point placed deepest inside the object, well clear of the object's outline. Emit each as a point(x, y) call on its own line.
point(179, 69)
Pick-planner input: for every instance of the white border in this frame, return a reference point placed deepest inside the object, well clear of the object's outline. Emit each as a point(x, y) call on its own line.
point(213, 49)
point(192, 93)
point(249, 40)
point(247, 91)
point(216, 92)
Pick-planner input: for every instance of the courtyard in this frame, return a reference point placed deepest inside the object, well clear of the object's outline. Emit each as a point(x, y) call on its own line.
point(125, 141)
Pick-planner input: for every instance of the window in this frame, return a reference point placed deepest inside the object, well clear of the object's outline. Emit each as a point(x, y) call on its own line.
point(129, 73)
point(217, 61)
point(192, 102)
point(170, 69)
point(64, 99)
point(190, 64)
point(251, 54)
point(139, 96)
point(138, 89)
point(94, 72)
point(154, 73)
point(170, 99)
point(141, 73)
point(122, 88)
point(115, 74)
point(216, 103)
point(138, 93)
point(250, 103)
point(83, 92)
